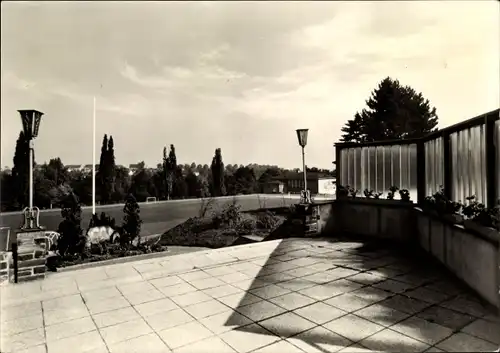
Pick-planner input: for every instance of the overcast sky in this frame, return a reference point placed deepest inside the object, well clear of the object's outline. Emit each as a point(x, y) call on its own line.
point(241, 76)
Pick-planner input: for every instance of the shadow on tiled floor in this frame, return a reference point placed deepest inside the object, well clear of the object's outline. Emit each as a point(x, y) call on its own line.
point(296, 295)
point(326, 295)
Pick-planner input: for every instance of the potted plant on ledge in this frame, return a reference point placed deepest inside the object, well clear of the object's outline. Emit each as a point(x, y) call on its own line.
point(481, 219)
point(443, 207)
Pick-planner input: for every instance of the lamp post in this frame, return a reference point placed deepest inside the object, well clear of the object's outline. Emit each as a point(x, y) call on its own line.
point(31, 124)
point(302, 137)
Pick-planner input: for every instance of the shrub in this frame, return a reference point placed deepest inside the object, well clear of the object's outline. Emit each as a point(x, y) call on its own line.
point(230, 216)
point(71, 240)
point(266, 220)
point(246, 226)
point(132, 222)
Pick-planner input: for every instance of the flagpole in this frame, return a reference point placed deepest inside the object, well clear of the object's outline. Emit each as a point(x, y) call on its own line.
point(93, 163)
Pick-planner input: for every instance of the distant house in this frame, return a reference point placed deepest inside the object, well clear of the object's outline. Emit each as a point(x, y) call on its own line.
point(74, 167)
point(273, 187)
point(87, 168)
point(293, 182)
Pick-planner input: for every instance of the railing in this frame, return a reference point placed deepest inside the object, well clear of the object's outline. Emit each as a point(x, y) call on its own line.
point(463, 158)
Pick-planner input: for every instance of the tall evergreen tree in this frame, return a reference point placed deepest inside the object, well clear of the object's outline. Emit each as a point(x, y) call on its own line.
point(170, 169)
point(101, 171)
point(110, 164)
point(20, 172)
point(217, 168)
point(394, 112)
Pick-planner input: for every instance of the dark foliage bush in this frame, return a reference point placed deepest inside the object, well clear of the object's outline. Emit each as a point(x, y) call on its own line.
point(132, 222)
point(71, 239)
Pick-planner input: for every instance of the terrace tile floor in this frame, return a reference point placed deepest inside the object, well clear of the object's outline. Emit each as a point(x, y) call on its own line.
point(294, 295)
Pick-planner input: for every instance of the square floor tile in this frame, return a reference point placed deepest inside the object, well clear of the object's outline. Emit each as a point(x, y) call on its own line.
point(393, 286)
point(487, 330)
point(19, 311)
point(224, 321)
point(185, 334)
point(137, 298)
point(287, 325)
point(109, 304)
point(296, 284)
point(86, 342)
point(427, 295)
point(445, 317)
point(365, 278)
point(423, 330)
point(155, 307)
point(177, 289)
point(14, 343)
point(219, 271)
point(68, 329)
point(191, 298)
point(463, 305)
point(204, 309)
point(269, 291)
point(248, 338)
point(320, 312)
point(319, 340)
point(169, 319)
point(100, 294)
point(206, 283)
point(371, 293)
point(353, 327)
point(392, 341)
point(233, 277)
point(405, 304)
point(147, 343)
point(462, 342)
point(292, 301)
point(222, 291)
point(166, 281)
point(125, 331)
point(260, 310)
point(65, 302)
point(239, 299)
point(114, 317)
point(381, 314)
point(322, 291)
point(208, 345)
point(446, 286)
point(134, 287)
point(349, 302)
point(276, 277)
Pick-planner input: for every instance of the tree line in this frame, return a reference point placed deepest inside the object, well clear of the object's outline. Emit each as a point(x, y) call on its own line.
point(53, 182)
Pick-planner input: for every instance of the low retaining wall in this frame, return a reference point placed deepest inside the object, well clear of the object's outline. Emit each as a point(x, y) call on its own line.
point(472, 258)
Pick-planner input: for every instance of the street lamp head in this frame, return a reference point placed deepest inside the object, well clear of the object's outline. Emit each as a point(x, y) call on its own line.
point(31, 122)
point(302, 136)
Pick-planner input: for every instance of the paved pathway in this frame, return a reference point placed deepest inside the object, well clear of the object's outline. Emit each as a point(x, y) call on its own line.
point(296, 295)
